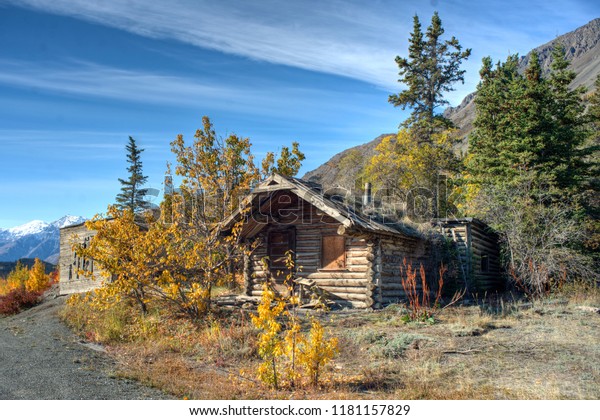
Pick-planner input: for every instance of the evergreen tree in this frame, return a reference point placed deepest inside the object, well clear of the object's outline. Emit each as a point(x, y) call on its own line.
point(592, 184)
point(594, 112)
point(593, 130)
point(429, 71)
point(526, 168)
point(421, 157)
point(528, 125)
point(432, 67)
point(496, 113)
point(567, 145)
point(132, 194)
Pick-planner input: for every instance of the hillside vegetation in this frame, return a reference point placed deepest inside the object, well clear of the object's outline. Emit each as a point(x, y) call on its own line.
point(23, 287)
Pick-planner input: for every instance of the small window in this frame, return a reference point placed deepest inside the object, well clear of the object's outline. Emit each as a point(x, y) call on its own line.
point(333, 253)
point(485, 264)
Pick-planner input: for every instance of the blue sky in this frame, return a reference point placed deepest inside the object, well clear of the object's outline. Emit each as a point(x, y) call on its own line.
point(77, 77)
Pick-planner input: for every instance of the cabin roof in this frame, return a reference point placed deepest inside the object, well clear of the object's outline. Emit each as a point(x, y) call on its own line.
point(352, 219)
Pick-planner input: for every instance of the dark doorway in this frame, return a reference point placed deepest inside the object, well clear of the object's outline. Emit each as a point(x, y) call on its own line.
point(280, 242)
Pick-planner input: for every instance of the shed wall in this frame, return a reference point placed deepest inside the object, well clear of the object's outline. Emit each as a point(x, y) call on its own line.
point(70, 263)
point(394, 252)
point(475, 241)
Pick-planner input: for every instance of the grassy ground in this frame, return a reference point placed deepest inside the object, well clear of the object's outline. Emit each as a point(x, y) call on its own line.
point(494, 349)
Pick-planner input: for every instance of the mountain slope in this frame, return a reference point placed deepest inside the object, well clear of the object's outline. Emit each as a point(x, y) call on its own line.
point(582, 47)
point(583, 51)
point(36, 239)
point(342, 169)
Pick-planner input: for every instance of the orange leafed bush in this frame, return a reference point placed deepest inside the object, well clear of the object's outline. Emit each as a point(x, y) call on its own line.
point(38, 280)
point(18, 299)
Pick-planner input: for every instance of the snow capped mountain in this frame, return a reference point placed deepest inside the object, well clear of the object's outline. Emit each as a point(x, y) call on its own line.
point(31, 228)
point(35, 239)
point(68, 221)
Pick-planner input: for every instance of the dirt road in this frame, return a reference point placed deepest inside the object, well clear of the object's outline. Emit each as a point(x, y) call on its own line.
point(41, 359)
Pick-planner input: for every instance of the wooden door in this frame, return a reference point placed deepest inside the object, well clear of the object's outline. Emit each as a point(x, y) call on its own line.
point(279, 243)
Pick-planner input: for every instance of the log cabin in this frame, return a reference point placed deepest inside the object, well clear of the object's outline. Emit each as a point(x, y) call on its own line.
point(353, 256)
point(477, 252)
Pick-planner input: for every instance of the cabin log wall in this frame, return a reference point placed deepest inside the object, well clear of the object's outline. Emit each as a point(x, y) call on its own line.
point(371, 277)
point(394, 253)
point(352, 286)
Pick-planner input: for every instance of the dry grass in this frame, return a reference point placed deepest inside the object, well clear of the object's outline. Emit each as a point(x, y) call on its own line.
point(495, 350)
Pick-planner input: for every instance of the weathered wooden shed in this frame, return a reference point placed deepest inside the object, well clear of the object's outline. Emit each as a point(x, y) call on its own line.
point(478, 252)
point(71, 281)
point(354, 257)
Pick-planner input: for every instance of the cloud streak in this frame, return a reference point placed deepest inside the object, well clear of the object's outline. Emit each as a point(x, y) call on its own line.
point(354, 39)
point(332, 37)
point(86, 79)
point(57, 139)
point(90, 79)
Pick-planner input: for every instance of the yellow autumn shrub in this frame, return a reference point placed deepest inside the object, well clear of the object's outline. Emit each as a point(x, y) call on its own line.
point(38, 280)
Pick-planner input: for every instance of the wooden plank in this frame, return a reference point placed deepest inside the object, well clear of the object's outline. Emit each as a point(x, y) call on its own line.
point(358, 268)
point(320, 274)
point(333, 252)
point(353, 304)
point(337, 290)
point(342, 282)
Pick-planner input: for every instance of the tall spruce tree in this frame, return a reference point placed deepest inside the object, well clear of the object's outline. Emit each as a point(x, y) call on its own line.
point(591, 201)
point(594, 112)
point(132, 193)
point(567, 145)
point(593, 143)
point(429, 71)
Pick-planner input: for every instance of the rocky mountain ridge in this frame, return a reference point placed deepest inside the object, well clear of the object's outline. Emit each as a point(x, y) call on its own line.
point(582, 48)
point(35, 239)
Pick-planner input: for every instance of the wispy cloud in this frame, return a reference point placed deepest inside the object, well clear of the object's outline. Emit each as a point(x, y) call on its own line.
point(57, 184)
point(350, 38)
point(90, 79)
point(86, 79)
point(335, 37)
point(63, 139)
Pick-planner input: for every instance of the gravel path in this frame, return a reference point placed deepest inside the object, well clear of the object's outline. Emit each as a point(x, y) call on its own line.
point(41, 359)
